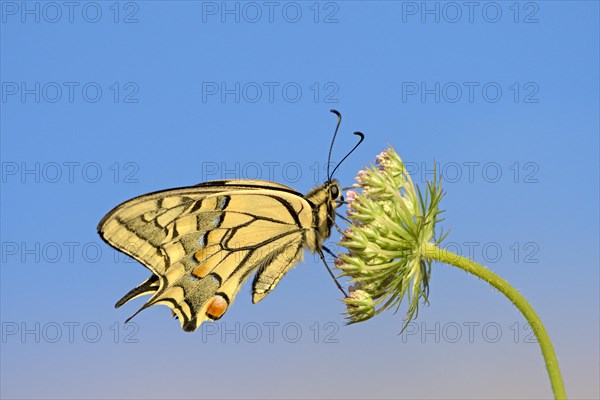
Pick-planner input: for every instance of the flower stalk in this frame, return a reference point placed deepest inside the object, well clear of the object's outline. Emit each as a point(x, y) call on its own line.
point(392, 243)
point(435, 253)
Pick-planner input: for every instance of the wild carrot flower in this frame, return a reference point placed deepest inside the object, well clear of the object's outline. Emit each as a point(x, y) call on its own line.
point(391, 220)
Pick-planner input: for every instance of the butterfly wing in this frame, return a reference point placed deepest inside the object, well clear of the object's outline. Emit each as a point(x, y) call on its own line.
point(202, 242)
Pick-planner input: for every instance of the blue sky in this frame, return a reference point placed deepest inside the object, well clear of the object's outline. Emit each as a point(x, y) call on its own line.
point(104, 101)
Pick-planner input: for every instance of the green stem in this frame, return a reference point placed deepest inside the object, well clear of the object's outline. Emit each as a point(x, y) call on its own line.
point(435, 253)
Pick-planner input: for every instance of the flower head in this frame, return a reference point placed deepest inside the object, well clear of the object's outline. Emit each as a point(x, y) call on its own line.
point(391, 220)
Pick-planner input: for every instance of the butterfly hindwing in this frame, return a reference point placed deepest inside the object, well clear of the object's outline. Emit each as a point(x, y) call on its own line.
point(202, 242)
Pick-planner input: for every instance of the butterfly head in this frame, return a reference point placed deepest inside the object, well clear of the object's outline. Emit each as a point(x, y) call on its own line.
point(332, 198)
point(334, 190)
point(328, 193)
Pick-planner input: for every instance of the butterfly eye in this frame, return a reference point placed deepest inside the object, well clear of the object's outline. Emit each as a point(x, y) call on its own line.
point(334, 191)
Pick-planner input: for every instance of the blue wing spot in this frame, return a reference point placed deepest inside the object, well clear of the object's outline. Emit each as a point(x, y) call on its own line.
point(202, 241)
point(222, 202)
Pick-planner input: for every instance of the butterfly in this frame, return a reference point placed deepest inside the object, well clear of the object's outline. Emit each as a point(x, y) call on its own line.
point(202, 242)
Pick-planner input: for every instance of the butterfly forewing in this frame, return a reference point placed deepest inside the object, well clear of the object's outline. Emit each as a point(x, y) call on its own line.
point(202, 242)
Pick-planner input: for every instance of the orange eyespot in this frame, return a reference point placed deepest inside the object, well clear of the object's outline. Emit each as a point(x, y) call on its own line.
point(217, 307)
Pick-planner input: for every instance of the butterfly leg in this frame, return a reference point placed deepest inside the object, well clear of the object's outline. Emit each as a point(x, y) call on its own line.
point(329, 269)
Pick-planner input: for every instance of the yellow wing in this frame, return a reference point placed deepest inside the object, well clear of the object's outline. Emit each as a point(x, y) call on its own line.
point(202, 242)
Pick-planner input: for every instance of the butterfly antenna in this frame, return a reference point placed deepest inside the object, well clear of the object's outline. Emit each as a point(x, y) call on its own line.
point(336, 112)
point(362, 137)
